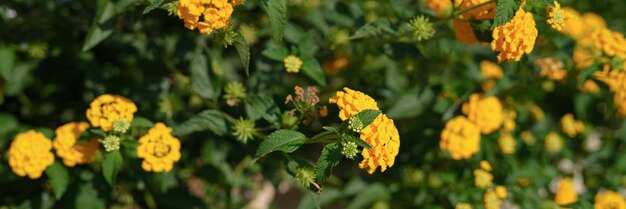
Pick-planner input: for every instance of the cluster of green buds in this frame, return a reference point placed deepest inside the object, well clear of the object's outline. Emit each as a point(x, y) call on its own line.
point(112, 140)
point(111, 143)
point(234, 92)
point(418, 29)
point(244, 130)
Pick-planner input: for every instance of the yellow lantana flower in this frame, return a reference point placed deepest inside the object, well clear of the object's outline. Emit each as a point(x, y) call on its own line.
point(215, 14)
point(485, 112)
point(528, 138)
point(66, 146)
point(460, 137)
point(516, 37)
point(571, 126)
point(611, 43)
point(501, 192)
point(551, 68)
point(557, 17)
point(158, 149)
point(292, 64)
point(566, 194)
point(553, 142)
point(491, 200)
point(485, 165)
point(490, 70)
point(507, 143)
point(106, 109)
point(29, 154)
point(482, 178)
point(352, 102)
point(382, 134)
point(609, 200)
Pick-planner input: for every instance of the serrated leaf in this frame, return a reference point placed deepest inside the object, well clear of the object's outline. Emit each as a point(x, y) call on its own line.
point(330, 157)
point(367, 116)
point(206, 120)
point(244, 51)
point(59, 179)
point(277, 13)
point(102, 25)
point(281, 140)
point(153, 5)
point(257, 106)
point(313, 70)
point(200, 82)
point(141, 122)
point(111, 165)
point(505, 11)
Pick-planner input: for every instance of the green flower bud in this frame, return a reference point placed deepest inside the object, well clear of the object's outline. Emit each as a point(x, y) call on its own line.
point(349, 149)
point(355, 124)
point(304, 176)
point(121, 125)
point(111, 143)
point(234, 92)
point(420, 28)
point(244, 130)
point(289, 121)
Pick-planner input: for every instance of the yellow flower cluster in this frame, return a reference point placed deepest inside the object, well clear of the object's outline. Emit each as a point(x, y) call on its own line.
point(611, 43)
point(571, 126)
point(382, 134)
point(292, 64)
point(557, 17)
point(551, 68)
point(485, 112)
point(616, 80)
point(482, 178)
point(159, 149)
point(492, 200)
point(351, 102)
point(66, 146)
point(490, 72)
point(29, 154)
point(516, 37)
point(506, 143)
point(106, 109)
point(441, 7)
point(609, 200)
point(566, 194)
point(553, 142)
point(206, 15)
point(508, 124)
point(461, 138)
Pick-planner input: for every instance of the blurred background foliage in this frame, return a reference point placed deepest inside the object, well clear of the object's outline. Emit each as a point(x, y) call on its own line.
point(52, 64)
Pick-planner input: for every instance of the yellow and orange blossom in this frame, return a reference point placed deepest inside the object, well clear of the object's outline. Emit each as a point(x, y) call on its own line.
point(158, 149)
point(571, 126)
point(107, 108)
point(215, 14)
point(461, 138)
point(609, 200)
point(566, 194)
point(515, 38)
point(351, 102)
point(29, 154)
point(66, 146)
point(485, 112)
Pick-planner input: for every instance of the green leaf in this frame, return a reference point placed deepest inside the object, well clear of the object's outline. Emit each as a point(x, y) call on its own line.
point(200, 82)
point(102, 25)
point(8, 61)
point(18, 78)
point(153, 5)
point(411, 104)
point(244, 51)
point(505, 11)
point(111, 165)
point(367, 116)
point(375, 28)
point(276, 10)
point(307, 45)
point(550, 2)
point(330, 157)
point(356, 140)
point(313, 70)
point(59, 179)
point(257, 106)
point(141, 123)
point(276, 53)
point(281, 140)
point(88, 198)
point(9, 123)
point(206, 120)
point(368, 196)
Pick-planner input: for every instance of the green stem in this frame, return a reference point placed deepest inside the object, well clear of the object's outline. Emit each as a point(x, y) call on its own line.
point(326, 136)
